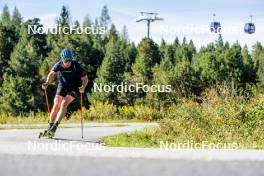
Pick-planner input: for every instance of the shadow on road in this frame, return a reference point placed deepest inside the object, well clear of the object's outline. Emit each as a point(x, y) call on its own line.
point(77, 140)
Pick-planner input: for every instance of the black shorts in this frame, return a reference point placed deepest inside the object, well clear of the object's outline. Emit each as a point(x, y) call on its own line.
point(64, 91)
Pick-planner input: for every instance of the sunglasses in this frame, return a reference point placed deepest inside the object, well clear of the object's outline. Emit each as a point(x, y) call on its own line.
point(66, 62)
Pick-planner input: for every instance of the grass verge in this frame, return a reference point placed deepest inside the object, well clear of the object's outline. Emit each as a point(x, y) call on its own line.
point(149, 137)
point(43, 119)
point(33, 126)
point(140, 138)
point(220, 120)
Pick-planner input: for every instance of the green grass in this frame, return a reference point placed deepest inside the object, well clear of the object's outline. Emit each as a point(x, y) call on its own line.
point(43, 119)
point(149, 138)
point(139, 138)
point(219, 119)
point(44, 126)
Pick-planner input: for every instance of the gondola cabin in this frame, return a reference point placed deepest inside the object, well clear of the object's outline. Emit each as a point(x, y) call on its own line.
point(215, 27)
point(250, 28)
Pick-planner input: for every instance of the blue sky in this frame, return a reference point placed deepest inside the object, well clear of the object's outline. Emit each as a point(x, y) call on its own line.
point(188, 18)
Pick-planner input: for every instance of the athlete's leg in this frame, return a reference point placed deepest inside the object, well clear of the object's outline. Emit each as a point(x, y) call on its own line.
point(52, 117)
point(55, 109)
point(63, 107)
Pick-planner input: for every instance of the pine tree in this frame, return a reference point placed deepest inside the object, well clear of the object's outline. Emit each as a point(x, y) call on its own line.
point(124, 34)
point(8, 38)
point(249, 71)
point(64, 19)
point(16, 18)
point(111, 71)
point(5, 17)
point(206, 69)
point(183, 77)
point(234, 64)
point(87, 22)
point(258, 59)
point(38, 41)
point(221, 60)
point(148, 56)
point(16, 95)
point(130, 54)
point(20, 91)
point(105, 18)
point(163, 76)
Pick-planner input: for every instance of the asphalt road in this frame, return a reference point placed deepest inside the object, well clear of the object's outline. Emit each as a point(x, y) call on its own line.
point(22, 153)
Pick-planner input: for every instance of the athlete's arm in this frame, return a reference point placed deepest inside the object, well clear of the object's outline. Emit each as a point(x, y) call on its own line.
point(50, 76)
point(84, 83)
point(49, 79)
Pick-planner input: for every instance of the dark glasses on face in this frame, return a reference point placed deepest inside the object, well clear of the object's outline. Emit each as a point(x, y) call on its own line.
point(66, 62)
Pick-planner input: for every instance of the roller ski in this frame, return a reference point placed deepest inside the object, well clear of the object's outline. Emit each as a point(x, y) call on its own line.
point(47, 134)
point(50, 132)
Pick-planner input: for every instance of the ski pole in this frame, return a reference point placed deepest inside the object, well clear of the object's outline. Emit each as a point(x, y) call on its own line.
point(47, 101)
point(81, 115)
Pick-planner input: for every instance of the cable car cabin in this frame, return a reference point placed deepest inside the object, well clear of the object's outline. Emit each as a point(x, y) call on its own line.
point(250, 28)
point(215, 27)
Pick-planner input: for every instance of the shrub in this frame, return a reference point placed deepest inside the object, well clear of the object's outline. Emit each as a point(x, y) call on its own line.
point(126, 112)
point(219, 118)
point(146, 113)
point(101, 111)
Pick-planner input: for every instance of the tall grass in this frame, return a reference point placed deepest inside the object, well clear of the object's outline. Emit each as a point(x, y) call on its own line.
point(99, 111)
point(220, 117)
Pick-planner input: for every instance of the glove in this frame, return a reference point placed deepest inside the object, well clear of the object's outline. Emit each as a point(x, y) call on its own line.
point(81, 89)
point(45, 85)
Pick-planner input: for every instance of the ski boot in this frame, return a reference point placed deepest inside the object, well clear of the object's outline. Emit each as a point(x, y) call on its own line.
point(47, 134)
point(50, 132)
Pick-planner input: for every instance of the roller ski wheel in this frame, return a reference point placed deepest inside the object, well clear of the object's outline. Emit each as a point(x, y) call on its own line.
point(41, 134)
point(47, 134)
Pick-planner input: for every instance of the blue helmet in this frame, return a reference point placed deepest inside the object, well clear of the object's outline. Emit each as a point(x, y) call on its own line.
point(66, 54)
